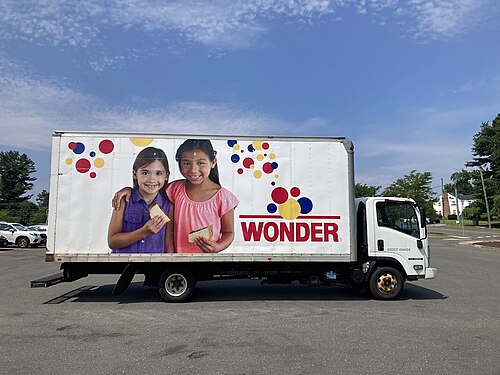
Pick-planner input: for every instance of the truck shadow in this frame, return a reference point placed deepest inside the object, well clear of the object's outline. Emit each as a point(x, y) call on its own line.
point(237, 290)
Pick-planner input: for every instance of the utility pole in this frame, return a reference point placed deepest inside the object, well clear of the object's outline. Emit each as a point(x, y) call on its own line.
point(459, 213)
point(485, 197)
point(442, 198)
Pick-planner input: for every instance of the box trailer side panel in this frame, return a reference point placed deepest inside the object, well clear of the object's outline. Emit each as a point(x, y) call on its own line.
point(296, 194)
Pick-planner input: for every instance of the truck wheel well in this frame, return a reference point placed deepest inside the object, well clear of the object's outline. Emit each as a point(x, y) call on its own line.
point(388, 263)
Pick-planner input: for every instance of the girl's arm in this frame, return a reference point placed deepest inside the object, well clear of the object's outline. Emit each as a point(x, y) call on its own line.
point(227, 235)
point(169, 232)
point(123, 193)
point(118, 239)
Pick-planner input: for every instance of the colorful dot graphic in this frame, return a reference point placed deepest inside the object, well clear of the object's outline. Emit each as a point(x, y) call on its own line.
point(285, 203)
point(83, 164)
point(258, 161)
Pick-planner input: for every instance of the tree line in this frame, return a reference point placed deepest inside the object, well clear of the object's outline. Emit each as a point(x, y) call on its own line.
point(483, 169)
point(16, 181)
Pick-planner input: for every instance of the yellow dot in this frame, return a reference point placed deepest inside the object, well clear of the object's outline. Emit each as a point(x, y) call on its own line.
point(236, 147)
point(257, 174)
point(69, 161)
point(252, 166)
point(257, 145)
point(272, 156)
point(276, 176)
point(99, 162)
point(260, 157)
point(141, 142)
point(289, 210)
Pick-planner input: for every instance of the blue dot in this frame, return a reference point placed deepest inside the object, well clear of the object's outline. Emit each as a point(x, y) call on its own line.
point(231, 142)
point(273, 183)
point(79, 148)
point(92, 154)
point(272, 208)
point(250, 148)
point(306, 205)
point(274, 165)
point(235, 158)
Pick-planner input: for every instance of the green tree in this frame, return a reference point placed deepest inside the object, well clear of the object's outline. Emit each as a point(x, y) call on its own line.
point(486, 155)
point(363, 190)
point(415, 185)
point(42, 199)
point(464, 181)
point(15, 176)
point(40, 215)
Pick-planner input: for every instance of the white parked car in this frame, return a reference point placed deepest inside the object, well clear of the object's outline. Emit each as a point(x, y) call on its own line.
point(21, 236)
point(38, 227)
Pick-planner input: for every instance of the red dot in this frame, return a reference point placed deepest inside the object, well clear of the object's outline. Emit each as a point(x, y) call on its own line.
point(279, 195)
point(267, 168)
point(240, 171)
point(106, 146)
point(71, 145)
point(295, 191)
point(248, 162)
point(265, 146)
point(93, 175)
point(82, 165)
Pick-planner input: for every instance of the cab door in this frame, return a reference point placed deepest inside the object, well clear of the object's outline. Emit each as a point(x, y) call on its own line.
point(398, 235)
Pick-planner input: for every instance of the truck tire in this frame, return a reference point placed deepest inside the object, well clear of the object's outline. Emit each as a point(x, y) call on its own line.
point(386, 283)
point(177, 285)
point(22, 242)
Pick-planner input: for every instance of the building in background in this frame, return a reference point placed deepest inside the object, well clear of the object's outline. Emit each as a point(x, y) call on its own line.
point(452, 205)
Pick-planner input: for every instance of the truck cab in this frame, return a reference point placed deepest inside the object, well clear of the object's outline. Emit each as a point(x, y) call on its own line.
point(392, 243)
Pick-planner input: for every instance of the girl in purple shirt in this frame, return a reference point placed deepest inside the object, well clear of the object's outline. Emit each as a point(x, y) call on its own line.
point(131, 229)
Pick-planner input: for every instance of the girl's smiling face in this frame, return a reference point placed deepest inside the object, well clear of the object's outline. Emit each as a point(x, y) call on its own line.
point(151, 178)
point(196, 166)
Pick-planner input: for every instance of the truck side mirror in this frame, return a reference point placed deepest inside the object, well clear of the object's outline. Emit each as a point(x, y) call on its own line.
point(423, 217)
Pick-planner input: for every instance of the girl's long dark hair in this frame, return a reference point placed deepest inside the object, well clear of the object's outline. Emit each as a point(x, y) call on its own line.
point(204, 145)
point(146, 157)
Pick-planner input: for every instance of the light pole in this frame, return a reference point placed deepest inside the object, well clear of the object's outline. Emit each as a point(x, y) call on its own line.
point(485, 197)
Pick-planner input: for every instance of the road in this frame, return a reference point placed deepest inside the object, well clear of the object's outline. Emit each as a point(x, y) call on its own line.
point(467, 234)
point(449, 325)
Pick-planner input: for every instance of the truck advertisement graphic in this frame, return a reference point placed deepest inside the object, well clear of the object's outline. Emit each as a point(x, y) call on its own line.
point(289, 193)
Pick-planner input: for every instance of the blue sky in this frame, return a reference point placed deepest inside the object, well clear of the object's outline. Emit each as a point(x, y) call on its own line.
point(410, 82)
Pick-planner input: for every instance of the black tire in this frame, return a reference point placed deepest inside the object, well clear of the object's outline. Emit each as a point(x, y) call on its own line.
point(386, 283)
point(177, 285)
point(23, 242)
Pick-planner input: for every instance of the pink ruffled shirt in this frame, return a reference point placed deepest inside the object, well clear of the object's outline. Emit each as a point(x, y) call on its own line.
point(190, 216)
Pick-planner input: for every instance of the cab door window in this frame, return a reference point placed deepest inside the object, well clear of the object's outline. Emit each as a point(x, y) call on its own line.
point(401, 217)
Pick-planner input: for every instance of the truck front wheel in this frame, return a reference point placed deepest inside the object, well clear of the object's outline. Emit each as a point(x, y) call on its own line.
point(386, 283)
point(177, 285)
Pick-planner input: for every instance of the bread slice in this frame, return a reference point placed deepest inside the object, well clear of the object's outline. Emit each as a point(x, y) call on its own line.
point(155, 210)
point(203, 232)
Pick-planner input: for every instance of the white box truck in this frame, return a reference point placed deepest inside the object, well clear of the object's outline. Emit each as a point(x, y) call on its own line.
point(297, 219)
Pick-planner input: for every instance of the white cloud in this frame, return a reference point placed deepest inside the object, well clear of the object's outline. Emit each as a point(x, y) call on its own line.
point(32, 109)
point(443, 18)
point(224, 24)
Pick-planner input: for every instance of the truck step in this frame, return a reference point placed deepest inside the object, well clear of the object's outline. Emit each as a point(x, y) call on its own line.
point(47, 281)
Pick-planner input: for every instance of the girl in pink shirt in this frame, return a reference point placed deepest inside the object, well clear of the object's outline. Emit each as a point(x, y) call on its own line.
point(200, 202)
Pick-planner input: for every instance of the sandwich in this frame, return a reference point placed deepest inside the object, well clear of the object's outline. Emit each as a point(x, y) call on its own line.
point(155, 210)
point(203, 232)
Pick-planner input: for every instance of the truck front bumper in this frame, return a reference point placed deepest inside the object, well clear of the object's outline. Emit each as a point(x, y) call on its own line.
point(430, 273)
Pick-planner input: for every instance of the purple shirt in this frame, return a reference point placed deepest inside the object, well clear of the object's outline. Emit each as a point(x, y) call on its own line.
point(135, 216)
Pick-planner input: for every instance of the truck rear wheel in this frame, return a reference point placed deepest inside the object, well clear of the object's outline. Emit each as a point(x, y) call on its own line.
point(177, 285)
point(386, 283)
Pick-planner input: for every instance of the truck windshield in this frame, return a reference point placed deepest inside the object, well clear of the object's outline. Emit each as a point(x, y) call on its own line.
point(400, 216)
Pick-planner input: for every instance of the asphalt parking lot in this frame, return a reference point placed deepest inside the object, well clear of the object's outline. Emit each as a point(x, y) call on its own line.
point(449, 325)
